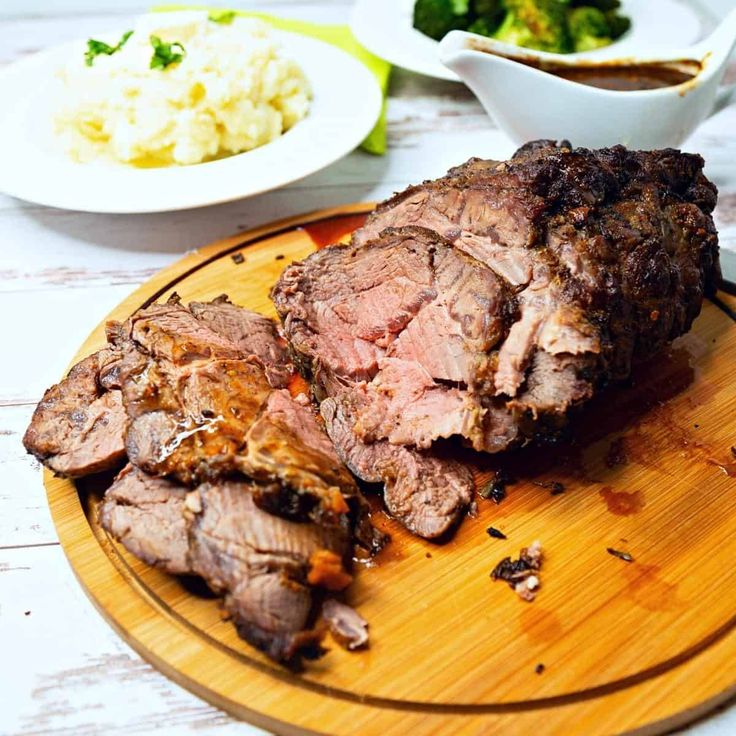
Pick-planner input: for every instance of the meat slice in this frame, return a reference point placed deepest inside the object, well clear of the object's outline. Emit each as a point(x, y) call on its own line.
point(431, 316)
point(146, 515)
point(252, 333)
point(426, 493)
point(260, 563)
point(202, 407)
point(78, 427)
point(286, 444)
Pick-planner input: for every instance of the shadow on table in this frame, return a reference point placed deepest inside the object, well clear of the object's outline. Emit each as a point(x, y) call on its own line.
point(358, 177)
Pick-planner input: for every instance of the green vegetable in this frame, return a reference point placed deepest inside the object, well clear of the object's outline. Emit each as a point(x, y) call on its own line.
point(592, 28)
point(436, 18)
point(483, 27)
point(488, 9)
point(560, 26)
point(225, 17)
point(536, 24)
point(589, 28)
point(618, 24)
point(487, 15)
point(98, 48)
point(166, 54)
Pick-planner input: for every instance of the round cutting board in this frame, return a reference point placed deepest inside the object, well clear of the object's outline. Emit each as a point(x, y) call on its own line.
point(609, 645)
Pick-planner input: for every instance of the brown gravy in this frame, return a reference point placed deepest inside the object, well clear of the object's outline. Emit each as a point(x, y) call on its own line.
point(624, 78)
point(616, 76)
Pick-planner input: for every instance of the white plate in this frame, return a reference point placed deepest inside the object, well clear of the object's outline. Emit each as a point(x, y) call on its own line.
point(347, 102)
point(385, 28)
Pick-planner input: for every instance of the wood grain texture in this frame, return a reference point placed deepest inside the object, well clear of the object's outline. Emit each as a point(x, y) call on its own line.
point(624, 645)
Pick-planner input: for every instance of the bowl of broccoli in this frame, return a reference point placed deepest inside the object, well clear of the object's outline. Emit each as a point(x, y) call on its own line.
point(407, 32)
point(556, 26)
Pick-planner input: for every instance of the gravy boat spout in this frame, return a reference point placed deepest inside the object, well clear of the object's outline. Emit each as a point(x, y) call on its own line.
point(524, 92)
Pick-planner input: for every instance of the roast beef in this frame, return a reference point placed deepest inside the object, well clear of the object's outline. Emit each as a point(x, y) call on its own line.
point(252, 333)
point(199, 394)
point(487, 304)
point(78, 427)
point(266, 567)
point(199, 391)
point(146, 514)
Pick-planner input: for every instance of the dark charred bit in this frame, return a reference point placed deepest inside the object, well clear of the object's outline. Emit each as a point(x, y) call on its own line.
point(280, 501)
point(495, 533)
point(27, 613)
point(553, 486)
point(625, 556)
point(238, 258)
point(539, 669)
point(733, 451)
point(347, 626)
point(522, 574)
point(428, 555)
point(280, 257)
point(288, 649)
point(495, 489)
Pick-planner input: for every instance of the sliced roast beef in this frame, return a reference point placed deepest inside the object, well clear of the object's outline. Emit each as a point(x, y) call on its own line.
point(610, 251)
point(262, 564)
point(78, 427)
point(287, 444)
point(252, 333)
point(426, 493)
point(146, 515)
point(487, 304)
point(202, 407)
point(265, 566)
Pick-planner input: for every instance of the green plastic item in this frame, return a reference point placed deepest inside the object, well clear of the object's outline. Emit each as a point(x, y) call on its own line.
point(337, 35)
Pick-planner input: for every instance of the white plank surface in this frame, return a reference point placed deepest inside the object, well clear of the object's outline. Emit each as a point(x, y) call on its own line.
point(63, 670)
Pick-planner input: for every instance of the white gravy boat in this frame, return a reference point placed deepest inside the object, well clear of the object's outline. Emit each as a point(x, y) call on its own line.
point(528, 103)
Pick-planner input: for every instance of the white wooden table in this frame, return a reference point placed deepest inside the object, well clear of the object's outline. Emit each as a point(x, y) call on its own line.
point(62, 668)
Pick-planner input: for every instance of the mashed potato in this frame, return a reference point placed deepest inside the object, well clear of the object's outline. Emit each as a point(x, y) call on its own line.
point(233, 90)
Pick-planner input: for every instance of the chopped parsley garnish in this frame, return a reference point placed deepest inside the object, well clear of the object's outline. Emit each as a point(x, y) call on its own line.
point(226, 17)
point(166, 54)
point(98, 48)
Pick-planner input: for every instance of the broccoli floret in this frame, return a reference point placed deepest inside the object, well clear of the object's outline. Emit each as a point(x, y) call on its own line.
point(491, 11)
point(486, 16)
point(436, 18)
point(617, 24)
point(482, 27)
point(589, 29)
point(592, 28)
point(536, 24)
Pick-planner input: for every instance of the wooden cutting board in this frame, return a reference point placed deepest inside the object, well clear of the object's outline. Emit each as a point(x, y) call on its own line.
point(609, 646)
